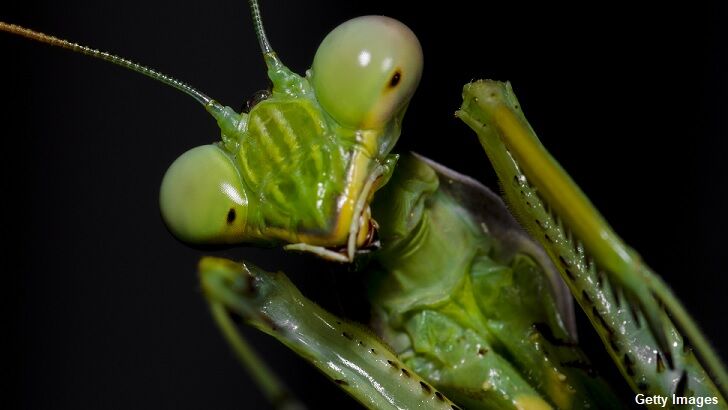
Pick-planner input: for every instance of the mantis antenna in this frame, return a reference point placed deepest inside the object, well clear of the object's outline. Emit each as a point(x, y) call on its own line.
point(55, 41)
point(258, 27)
point(199, 96)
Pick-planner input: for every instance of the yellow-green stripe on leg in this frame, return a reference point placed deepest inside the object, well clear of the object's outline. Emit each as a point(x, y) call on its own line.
point(607, 278)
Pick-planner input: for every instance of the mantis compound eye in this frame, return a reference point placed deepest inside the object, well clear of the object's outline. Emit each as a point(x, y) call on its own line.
point(366, 70)
point(202, 199)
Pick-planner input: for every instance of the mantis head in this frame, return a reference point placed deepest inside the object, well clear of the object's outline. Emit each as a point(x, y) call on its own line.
point(302, 166)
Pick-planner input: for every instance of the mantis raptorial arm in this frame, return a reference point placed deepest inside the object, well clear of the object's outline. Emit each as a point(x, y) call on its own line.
point(347, 353)
point(640, 321)
point(268, 383)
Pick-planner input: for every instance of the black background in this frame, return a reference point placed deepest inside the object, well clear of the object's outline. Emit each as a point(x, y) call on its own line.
point(104, 304)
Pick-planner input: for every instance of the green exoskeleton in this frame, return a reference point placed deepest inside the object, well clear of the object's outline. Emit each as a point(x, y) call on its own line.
point(301, 167)
point(469, 312)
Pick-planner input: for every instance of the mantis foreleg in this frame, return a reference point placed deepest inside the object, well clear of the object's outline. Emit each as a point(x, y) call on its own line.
point(639, 320)
point(347, 353)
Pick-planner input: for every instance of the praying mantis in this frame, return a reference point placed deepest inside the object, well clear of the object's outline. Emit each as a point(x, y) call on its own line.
point(89, 246)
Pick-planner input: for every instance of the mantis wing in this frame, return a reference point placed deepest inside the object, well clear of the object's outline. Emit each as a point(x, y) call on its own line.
point(490, 211)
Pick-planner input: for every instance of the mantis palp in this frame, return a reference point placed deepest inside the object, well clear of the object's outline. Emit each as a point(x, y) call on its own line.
point(279, 43)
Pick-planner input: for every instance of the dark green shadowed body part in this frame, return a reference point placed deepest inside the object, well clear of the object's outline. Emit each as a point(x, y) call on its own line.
point(469, 302)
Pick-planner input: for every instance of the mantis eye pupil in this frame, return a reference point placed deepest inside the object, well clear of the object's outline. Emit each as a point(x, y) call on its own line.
point(395, 79)
point(231, 216)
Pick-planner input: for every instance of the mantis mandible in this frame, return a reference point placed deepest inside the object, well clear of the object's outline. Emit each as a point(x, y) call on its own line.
point(98, 213)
